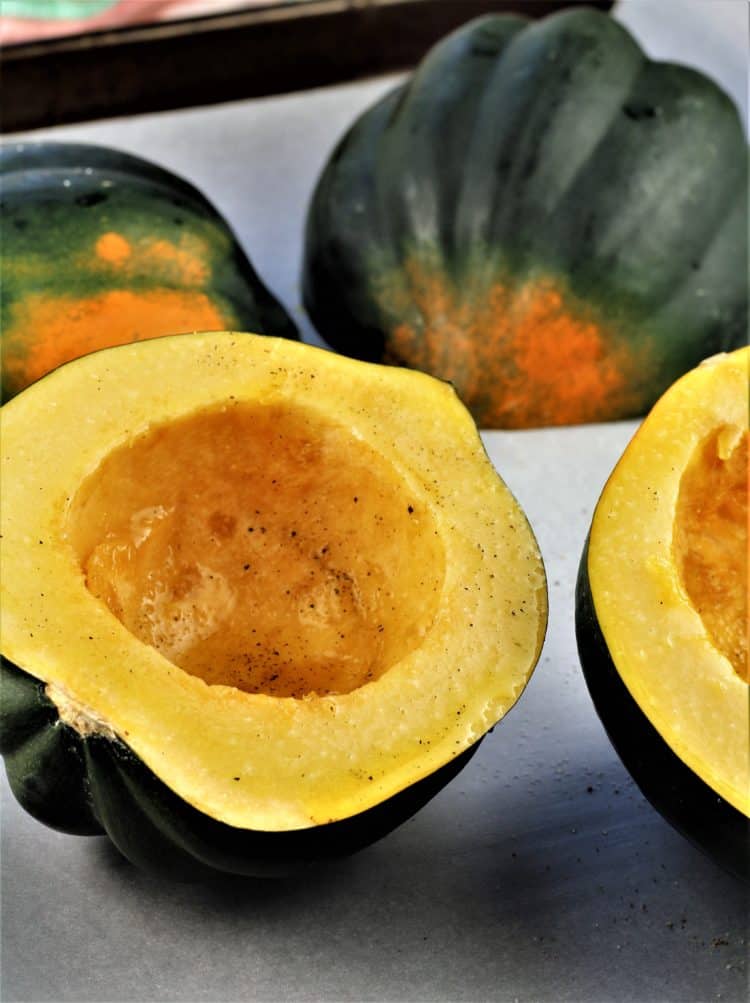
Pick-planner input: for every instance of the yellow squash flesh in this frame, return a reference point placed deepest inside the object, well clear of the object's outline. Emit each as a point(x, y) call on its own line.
point(668, 558)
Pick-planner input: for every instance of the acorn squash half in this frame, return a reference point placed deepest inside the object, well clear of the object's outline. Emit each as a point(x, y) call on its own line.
point(662, 608)
point(540, 214)
point(101, 248)
point(259, 601)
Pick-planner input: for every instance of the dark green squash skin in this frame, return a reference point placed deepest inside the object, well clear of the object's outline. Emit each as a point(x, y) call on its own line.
point(677, 793)
point(57, 198)
point(93, 785)
point(550, 150)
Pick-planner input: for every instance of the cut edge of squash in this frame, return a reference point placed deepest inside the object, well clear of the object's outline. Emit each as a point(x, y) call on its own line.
point(251, 760)
point(688, 689)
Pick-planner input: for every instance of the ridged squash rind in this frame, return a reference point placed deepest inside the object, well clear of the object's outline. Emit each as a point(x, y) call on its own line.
point(543, 216)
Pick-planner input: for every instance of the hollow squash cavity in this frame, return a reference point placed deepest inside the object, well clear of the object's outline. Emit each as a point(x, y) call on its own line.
point(261, 547)
point(711, 540)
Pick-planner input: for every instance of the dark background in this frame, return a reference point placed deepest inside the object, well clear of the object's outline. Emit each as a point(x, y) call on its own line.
point(265, 50)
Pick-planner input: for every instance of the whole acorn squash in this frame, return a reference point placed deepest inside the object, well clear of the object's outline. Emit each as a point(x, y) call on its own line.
point(101, 248)
point(260, 602)
point(541, 215)
point(662, 608)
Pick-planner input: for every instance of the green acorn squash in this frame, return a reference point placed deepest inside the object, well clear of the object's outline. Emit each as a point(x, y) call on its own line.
point(541, 215)
point(661, 610)
point(260, 602)
point(101, 248)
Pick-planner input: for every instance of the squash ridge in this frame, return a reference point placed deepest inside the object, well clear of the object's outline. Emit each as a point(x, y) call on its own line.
point(46, 772)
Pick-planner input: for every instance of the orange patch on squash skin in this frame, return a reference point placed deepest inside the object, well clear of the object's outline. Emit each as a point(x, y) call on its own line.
point(519, 356)
point(183, 259)
point(183, 263)
point(48, 331)
point(113, 248)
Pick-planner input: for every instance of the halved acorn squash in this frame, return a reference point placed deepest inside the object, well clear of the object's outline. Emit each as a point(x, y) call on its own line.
point(101, 248)
point(259, 601)
point(662, 608)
